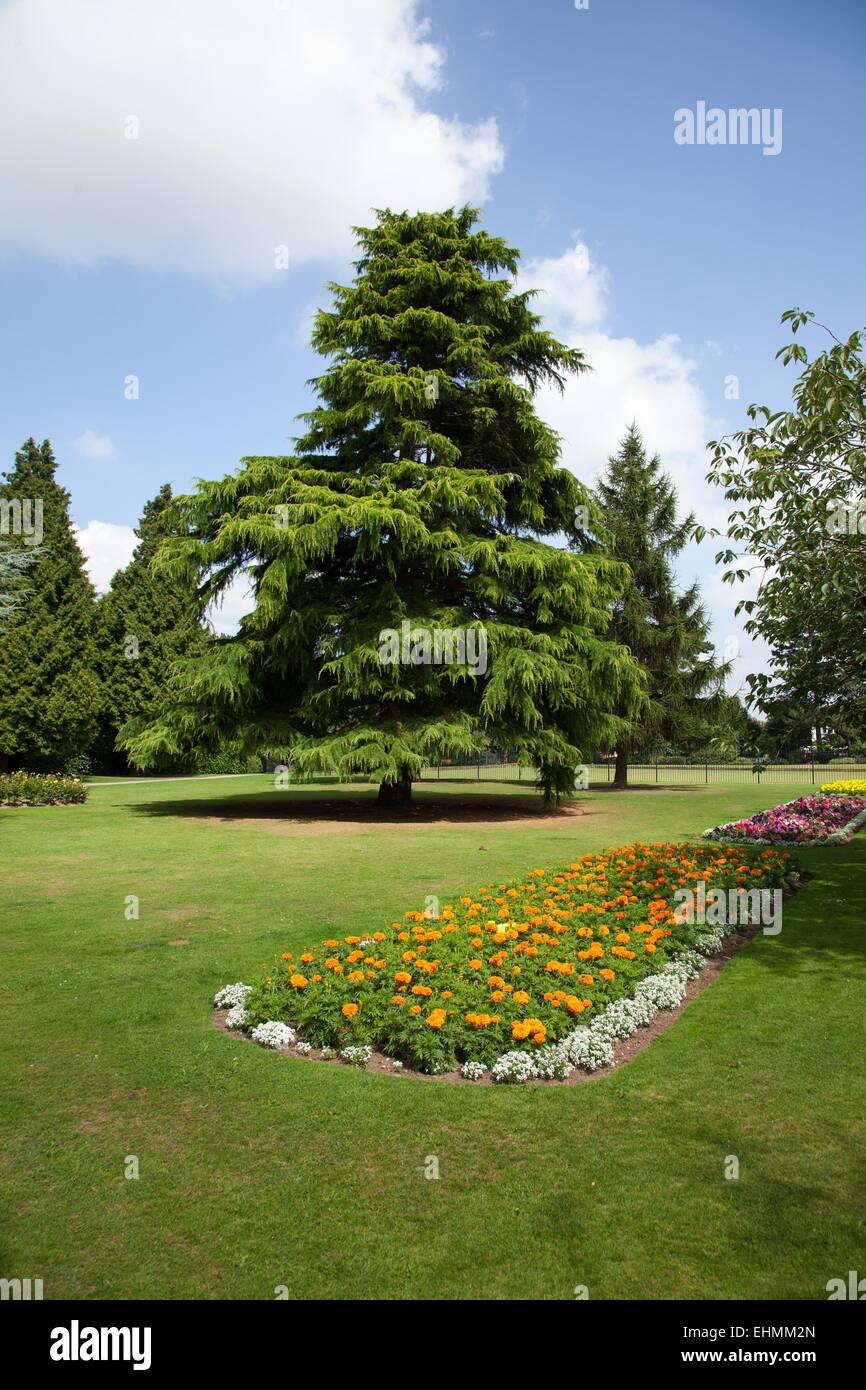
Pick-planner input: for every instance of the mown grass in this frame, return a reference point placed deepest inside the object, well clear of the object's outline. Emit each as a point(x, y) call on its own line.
point(258, 1171)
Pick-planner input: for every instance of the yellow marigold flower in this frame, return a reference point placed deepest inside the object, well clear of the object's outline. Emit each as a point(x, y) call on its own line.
point(299, 981)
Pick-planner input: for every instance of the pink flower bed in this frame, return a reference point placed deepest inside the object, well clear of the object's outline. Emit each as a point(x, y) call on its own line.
point(808, 818)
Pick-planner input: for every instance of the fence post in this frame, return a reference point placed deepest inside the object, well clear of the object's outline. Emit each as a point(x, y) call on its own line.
point(813, 773)
point(478, 771)
point(657, 771)
point(706, 772)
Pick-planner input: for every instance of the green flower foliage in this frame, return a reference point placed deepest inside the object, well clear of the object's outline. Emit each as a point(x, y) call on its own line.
point(425, 490)
point(40, 789)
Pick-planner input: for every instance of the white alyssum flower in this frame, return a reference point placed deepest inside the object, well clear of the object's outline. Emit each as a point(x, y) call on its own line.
point(328, 1054)
point(552, 1063)
point(237, 1017)
point(690, 961)
point(513, 1066)
point(619, 1020)
point(303, 1047)
point(709, 943)
point(274, 1034)
point(473, 1071)
point(397, 1064)
point(588, 1048)
point(356, 1056)
point(230, 995)
point(662, 991)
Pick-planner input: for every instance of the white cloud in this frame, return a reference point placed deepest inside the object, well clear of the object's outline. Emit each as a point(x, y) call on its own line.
point(107, 548)
point(279, 123)
point(94, 445)
point(655, 385)
point(234, 603)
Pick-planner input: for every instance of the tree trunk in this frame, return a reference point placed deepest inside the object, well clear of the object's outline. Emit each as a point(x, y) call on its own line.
point(620, 777)
point(396, 793)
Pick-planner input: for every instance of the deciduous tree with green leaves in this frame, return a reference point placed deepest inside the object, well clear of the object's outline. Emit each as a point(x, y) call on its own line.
point(424, 491)
point(49, 691)
point(798, 479)
point(667, 631)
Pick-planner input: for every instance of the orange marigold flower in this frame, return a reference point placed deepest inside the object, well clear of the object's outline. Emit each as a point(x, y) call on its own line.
point(299, 981)
point(349, 1010)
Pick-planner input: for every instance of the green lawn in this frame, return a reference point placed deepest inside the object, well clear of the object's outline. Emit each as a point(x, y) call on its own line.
point(258, 1170)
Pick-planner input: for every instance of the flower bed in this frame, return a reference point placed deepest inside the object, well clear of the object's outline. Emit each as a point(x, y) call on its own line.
point(40, 789)
point(807, 820)
point(854, 786)
point(528, 980)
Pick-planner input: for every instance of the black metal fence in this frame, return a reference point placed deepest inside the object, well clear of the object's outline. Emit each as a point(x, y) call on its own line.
point(663, 772)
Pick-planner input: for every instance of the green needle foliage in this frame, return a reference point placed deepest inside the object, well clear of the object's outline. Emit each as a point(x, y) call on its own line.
point(49, 693)
point(14, 564)
point(668, 632)
point(424, 491)
point(145, 623)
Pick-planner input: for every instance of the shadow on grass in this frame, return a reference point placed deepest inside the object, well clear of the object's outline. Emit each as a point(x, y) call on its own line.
point(362, 807)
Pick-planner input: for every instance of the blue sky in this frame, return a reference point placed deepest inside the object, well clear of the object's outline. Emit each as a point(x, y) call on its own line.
point(280, 122)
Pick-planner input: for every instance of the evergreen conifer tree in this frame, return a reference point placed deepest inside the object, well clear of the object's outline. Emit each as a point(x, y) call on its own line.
point(49, 692)
point(666, 631)
point(145, 623)
point(423, 498)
